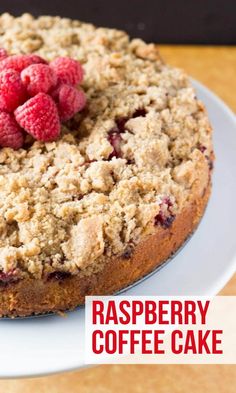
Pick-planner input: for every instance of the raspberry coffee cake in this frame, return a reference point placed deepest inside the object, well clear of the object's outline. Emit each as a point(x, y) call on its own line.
point(105, 162)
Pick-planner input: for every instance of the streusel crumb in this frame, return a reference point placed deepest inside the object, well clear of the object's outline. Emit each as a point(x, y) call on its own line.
point(144, 136)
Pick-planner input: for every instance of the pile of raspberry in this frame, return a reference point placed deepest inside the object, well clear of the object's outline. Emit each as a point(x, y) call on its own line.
point(36, 96)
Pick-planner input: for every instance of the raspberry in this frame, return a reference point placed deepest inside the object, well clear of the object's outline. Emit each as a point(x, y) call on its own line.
point(8, 277)
point(12, 91)
point(58, 275)
point(202, 148)
point(39, 117)
point(165, 222)
point(11, 134)
point(68, 70)
point(165, 219)
point(38, 78)
point(69, 101)
point(3, 54)
point(115, 140)
point(19, 62)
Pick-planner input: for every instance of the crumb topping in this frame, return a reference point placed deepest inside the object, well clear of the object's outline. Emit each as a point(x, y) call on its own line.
point(143, 139)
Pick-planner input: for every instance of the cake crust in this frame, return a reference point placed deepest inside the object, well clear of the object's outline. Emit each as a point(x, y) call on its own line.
point(120, 190)
point(32, 296)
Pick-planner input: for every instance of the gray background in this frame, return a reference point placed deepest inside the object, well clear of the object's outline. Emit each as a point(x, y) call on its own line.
point(163, 21)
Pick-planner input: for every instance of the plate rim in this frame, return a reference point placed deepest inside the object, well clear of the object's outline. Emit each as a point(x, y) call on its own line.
point(213, 289)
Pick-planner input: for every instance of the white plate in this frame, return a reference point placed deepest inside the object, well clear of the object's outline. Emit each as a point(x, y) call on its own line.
point(51, 344)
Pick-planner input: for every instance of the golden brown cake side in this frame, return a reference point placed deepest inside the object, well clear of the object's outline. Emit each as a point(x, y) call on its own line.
point(122, 187)
point(32, 296)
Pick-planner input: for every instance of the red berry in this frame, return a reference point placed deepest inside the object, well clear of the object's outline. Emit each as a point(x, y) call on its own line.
point(39, 117)
point(69, 101)
point(12, 91)
point(38, 78)
point(19, 62)
point(11, 134)
point(3, 54)
point(68, 70)
point(165, 219)
point(115, 140)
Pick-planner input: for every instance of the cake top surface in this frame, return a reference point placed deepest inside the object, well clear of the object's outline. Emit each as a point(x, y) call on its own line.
point(129, 162)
